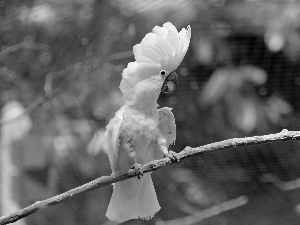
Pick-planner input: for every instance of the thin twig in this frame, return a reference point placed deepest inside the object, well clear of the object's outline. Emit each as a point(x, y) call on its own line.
point(284, 135)
point(282, 185)
point(207, 213)
point(120, 55)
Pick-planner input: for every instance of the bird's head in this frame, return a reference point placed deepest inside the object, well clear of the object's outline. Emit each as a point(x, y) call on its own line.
point(157, 56)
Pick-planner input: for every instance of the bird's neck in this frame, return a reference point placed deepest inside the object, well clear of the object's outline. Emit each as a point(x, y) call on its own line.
point(148, 104)
point(146, 95)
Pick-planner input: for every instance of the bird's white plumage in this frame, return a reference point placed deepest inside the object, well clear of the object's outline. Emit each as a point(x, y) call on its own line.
point(139, 132)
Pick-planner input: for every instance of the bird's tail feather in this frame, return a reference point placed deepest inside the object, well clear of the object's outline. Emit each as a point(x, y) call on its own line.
point(133, 198)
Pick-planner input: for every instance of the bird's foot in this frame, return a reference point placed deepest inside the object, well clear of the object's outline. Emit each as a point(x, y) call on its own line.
point(173, 156)
point(137, 168)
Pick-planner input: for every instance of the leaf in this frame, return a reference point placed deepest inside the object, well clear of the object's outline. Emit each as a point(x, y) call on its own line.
point(98, 143)
point(19, 123)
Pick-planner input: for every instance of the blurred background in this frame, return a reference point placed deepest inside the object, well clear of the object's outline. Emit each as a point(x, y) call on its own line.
point(60, 69)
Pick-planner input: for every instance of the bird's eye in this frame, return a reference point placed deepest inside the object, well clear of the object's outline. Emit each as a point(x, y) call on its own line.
point(163, 72)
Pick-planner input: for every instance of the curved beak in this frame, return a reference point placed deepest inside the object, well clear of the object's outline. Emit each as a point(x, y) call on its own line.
point(170, 83)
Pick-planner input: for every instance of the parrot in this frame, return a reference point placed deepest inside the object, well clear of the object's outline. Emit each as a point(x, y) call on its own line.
point(140, 131)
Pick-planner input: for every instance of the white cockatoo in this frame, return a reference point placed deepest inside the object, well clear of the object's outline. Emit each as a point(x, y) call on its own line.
point(139, 132)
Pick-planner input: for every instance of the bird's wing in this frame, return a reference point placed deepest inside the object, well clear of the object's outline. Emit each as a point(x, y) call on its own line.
point(167, 124)
point(113, 139)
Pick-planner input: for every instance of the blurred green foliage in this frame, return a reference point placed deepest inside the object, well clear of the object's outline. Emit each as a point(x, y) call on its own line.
point(239, 78)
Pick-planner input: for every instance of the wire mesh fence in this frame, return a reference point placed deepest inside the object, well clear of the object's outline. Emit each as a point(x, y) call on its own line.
point(62, 62)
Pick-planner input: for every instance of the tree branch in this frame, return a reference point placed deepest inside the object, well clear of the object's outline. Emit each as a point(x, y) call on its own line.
point(284, 135)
